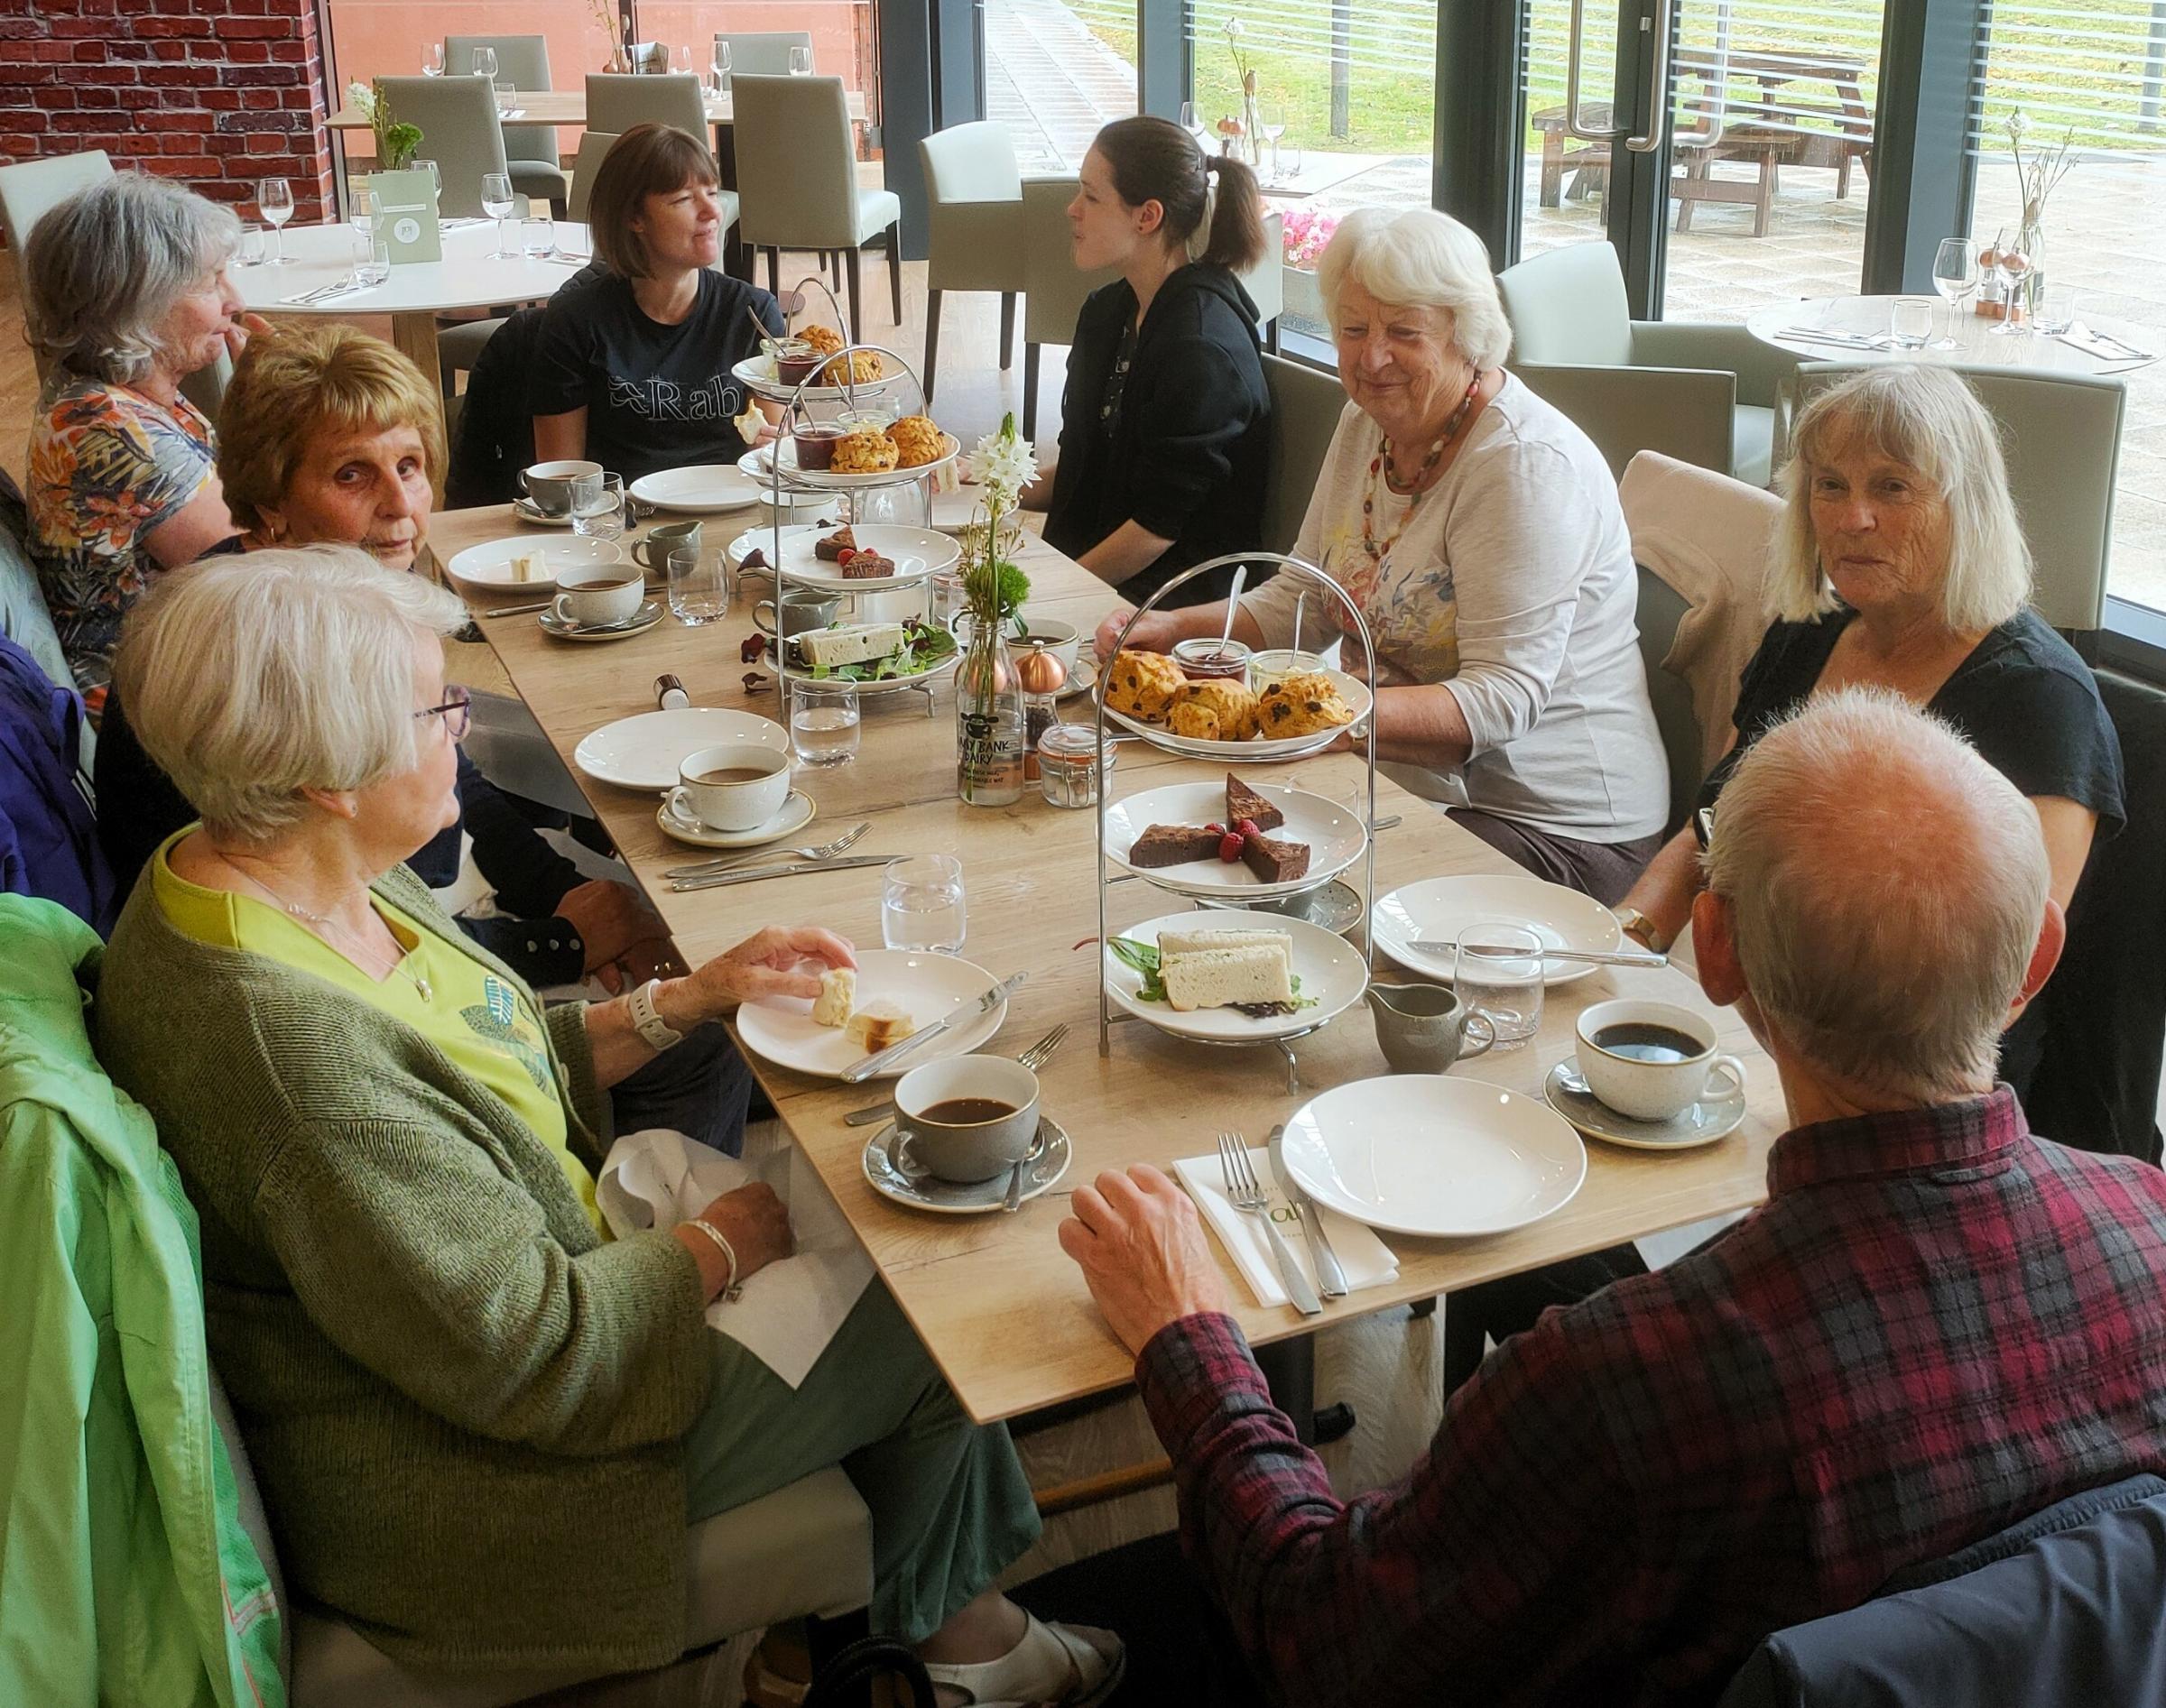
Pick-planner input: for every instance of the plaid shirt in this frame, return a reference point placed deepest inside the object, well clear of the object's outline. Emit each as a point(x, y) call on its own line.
point(1937, 1325)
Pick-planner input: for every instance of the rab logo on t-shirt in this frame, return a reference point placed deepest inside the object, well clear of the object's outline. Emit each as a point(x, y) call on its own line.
point(665, 400)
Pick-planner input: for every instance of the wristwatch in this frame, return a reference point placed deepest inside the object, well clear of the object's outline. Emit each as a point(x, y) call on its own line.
point(1633, 923)
point(649, 1024)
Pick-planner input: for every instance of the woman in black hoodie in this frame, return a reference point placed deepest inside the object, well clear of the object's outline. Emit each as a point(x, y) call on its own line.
point(1165, 424)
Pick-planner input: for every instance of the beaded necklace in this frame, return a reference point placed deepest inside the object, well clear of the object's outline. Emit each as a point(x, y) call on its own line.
point(1378, 552)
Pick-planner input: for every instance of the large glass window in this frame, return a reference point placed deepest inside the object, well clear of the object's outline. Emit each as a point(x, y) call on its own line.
point(387, 38)
point(2092, 76)
point(842, 31)
point(1056, 70)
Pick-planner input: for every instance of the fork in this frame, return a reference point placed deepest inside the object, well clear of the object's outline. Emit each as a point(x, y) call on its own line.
point(1034, 1057)
point(319, 292)
point(824, 850)
point(1244, 1192)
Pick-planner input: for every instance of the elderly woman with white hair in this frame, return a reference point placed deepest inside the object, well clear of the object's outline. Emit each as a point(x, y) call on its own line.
point(1479, 531)
point(483, 1424)
point(126, 291)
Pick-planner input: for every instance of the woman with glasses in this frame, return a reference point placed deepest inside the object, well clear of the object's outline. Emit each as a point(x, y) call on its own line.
point(486, 1425)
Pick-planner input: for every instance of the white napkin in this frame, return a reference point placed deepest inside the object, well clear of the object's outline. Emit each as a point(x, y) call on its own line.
point(787, 1313)
point(1365, 1259)
point(2103, 346)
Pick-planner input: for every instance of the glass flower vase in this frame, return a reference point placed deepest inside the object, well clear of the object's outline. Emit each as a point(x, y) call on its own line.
point(988, 719)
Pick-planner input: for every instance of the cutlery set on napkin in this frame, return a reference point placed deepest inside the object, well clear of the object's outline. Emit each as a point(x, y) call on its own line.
point(1334, 1256)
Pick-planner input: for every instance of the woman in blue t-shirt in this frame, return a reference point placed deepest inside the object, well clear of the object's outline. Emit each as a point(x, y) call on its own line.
point(632, 369)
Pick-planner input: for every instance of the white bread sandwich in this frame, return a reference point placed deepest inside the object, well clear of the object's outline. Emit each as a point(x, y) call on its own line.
point(838, 997)
point(1197, 941)
point(853, 644)
point(879, 1024)
point(1220, 978)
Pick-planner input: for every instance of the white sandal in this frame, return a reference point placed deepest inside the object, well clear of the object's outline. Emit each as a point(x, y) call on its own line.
point(1053, 1667)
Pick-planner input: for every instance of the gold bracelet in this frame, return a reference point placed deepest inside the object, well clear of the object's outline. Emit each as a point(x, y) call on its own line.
point(730, 1288)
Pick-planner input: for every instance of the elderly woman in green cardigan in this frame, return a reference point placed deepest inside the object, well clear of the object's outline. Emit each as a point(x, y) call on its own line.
point(483, 1426)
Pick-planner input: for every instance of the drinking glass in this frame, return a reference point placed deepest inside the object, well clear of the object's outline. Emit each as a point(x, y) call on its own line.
point(598, 512)
point(436, 178)
point(432, 60)
point(699, 580)
point(800, 61)
point(1955, 278)
point(498, 203)
point(485, 63)
point(360, 203)
point(1911, 322)
point(684, 60)
point(823, 723)
point(1271, 117)
point(537, 237)
point(721, 67)
point(274, 202)
point(2056, 310)
point(507, 98)
point(249, 251)
point(2015, 268)
point(922, 904)
point(1191, 120)
point(374, 267)
point(1498, 973)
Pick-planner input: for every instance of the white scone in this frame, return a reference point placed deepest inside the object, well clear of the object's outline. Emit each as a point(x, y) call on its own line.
point(878, 1024)
point(855, 643)
point(527, 567)
point(1196, 942)
point(838, 997)
point(1217, 978)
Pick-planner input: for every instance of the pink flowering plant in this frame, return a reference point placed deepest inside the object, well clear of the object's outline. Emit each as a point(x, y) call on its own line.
point(1305, 236)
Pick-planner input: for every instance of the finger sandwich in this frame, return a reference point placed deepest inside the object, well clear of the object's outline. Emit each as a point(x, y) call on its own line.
point(1221, 978)
point(852, 643)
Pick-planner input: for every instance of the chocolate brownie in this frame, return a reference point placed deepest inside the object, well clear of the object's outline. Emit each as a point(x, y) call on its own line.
point(830, 549)
point(1176, 845)
point(1244, 802)
point(1275, 860)
point(867, 566)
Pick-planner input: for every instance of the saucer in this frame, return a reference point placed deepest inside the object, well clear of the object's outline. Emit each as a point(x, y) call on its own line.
point(648, 615)
point(524, 509)
point(797, 812)
point(1082, 680)
point(922, 1192)
point(1703, 1123)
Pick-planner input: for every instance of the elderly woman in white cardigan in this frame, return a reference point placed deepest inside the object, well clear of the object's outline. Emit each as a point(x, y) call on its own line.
point(1479, 531)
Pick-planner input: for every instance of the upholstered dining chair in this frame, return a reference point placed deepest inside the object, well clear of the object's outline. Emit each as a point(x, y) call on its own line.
point(763, 52)
point(593, 145)
point(1053, 288)
point(974, 195)
point(1567, 308)
point(797, 181)
point(529, 150)
point(1306, 404)
point(459, 130)
point(615, 102)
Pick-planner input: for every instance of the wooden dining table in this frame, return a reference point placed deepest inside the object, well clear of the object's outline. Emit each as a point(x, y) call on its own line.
point(1001, 1307)
point(567, 108)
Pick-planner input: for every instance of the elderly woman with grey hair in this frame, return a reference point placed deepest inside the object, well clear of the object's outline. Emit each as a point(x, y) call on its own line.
point(484, 1423)
point(1480, 533)
point(125, 294)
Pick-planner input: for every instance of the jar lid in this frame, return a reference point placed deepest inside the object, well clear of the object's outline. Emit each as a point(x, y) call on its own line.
point(1071, 744)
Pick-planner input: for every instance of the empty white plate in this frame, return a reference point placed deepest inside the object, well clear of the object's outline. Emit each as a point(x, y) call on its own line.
point(1333, 833)
point(916, 552)
point(645, 752)
point(699, 488)
point(490, 564)
point(1438, 910)
point(1331, 972)
point(1440, 1158)
point(928, 987)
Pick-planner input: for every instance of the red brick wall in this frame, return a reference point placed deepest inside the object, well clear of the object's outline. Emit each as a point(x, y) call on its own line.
point(219, 93)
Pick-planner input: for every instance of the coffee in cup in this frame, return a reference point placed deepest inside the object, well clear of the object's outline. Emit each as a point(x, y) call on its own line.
point(1652, 1061)
point(968, 1118)
point(554, 488)
point(595, 595)
point(732, 787)
point(654, 552)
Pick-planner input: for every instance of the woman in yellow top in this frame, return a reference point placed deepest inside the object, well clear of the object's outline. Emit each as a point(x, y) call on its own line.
point(483, 1426)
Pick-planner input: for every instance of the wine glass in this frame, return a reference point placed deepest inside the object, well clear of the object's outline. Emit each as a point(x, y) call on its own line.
point(274, 199)
point(684, 60)
point(498, 203)
point(360, 204)
point(507, 98)
point(800, 61)
point(432, 60)
point(485, 63)
point(721, 67)
point(1955, 278)
point(1270, 118)
point(436, 178)
point(2015, 268)
point(1191, 121)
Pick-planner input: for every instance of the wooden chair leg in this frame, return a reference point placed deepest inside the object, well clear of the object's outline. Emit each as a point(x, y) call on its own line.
point(894, 269)
point(850, 260)
point(1008, 331)
point(1030, 391)
point(933, 339)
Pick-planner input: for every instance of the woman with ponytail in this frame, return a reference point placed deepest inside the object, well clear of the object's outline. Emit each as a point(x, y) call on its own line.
point(1165, 425)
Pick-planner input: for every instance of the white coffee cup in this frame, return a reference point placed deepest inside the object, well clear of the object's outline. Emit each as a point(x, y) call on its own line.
point(733, 787)
point(1652, 1061)
point(593, 595)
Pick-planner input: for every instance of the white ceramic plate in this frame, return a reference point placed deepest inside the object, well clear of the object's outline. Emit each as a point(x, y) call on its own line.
point(757, 372)
point(1435, 1157)
point(1085, 680)
point(1702, 1124)
point(916, 552)
point(942, 1197)
point(698, 489)
point(930, 987)
point(825, 480)
point(957, 507)
point(1440, 909)
point(645, 752)
point(1334, 834)
point(1355, 693)
point(490, 564)
point(797, 812)
point(1331, 970)
point(648, 615)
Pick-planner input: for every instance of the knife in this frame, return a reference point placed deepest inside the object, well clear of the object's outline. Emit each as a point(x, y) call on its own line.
point(894, 1053)
point(1330, 1280)
point(847, 863)
point(1594, 958)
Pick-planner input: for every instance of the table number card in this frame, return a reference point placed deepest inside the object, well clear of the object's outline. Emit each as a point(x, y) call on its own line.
point(406, 216)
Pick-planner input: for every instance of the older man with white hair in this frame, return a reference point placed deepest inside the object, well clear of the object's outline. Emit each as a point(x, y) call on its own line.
point(1937, 1324)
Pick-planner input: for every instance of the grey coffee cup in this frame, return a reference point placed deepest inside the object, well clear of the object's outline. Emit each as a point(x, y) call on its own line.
point(966, 1152)
point(802, 612)
point(553, 488)
point(661, 540)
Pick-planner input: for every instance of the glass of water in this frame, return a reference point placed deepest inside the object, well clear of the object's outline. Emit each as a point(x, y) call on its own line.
point(537, 237)
point(249, 251)
point(1911, 322)
point(698, 579)
point(1497, 974)
point(922, 904)
point(823, 722)
point(597, 512)
point(374, 267)
point(2055, 309)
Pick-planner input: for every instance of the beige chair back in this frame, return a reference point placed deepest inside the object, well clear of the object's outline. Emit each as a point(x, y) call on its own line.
point(763, 52)
point(31, 189)
point(1306, 404)
point(1053, 289)
point(1686, 413)
point(523, 61)
point(615, 103)
point(593, 145)
point(797, 175)
point(974, 191)
point(459, 132)
point(1265, 282)
point(1567, 306)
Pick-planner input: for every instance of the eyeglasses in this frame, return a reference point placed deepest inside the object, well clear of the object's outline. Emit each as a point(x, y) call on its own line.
point(456, 711)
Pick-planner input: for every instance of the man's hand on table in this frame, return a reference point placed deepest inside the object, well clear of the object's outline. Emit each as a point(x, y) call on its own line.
point(1143, 1252)
point(611, 919)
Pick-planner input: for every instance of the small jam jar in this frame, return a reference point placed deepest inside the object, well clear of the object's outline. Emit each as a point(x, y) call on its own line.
point(1279, 663)
point(816, 442)
point(794, 360)
point(1068, 767)
point(1205, 658)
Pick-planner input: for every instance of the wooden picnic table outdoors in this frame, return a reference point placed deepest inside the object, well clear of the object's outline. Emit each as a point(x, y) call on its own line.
point(1001, 1307)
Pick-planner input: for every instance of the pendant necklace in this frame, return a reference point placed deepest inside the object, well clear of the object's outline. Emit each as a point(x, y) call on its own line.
point(322, 923)
point(1378, 550)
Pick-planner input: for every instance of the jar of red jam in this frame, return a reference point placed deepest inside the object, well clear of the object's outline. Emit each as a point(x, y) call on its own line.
point(1207, 657)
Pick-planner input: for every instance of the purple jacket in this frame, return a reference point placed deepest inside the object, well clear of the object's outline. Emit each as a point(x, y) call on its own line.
point(48, 834)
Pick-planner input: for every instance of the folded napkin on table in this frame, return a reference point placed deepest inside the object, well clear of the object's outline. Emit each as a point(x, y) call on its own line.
point(787, 1313)
point(2103, 346)
point(1365, 1259)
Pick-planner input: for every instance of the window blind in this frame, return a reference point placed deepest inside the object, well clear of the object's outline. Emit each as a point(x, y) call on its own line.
point(2098, 69)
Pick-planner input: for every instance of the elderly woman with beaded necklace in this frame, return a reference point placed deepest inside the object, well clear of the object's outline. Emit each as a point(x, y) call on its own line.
point(1479, 531)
